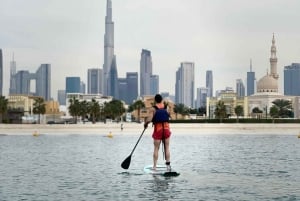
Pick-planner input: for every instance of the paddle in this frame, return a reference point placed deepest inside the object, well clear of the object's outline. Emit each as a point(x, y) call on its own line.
point(125, 164)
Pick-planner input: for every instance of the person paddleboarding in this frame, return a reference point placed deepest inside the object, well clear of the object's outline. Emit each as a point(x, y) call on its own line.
point(161, 131)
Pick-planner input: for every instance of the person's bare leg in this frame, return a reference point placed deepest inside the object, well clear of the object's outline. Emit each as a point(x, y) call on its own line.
point(167, 149)
point(155, 152)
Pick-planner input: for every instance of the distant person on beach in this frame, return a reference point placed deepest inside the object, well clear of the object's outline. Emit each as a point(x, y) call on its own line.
point(161, 132)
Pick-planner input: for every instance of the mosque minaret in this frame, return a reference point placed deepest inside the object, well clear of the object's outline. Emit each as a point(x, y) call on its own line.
point(269, 83)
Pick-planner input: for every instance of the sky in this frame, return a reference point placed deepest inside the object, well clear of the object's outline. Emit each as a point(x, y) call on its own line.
point(216, 35)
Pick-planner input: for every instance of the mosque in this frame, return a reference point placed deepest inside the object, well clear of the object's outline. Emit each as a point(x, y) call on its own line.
point(266, 93)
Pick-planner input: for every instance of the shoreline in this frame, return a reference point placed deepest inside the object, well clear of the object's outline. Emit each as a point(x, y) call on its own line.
point(137, 128)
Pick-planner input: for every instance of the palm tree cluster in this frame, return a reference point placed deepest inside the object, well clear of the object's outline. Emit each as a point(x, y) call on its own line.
point(281, 109)
point(93, 111)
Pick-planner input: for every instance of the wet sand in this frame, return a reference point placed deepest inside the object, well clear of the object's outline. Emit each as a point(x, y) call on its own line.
point(137, 128)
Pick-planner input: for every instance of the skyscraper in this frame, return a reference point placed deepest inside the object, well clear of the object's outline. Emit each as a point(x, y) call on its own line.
point(201, 97)
point(292, 79)
point(23, 82)
point(132, 85)
point(1, 73)
point(145, 72)
point(13, 70)
point(113, 85)
point(43, 81)
point(185, 76)
point(94, 79)
point(209, 83)
point(240, 88)
point(73, 85)
point(250, 81)
point(61, 97)
point(154, 84)
point(109, 55)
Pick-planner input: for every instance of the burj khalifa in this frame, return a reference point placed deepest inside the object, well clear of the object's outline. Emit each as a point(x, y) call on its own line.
point(110, 76)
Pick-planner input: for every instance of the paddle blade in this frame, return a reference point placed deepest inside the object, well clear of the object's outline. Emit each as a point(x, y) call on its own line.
point(125, 164)
point(171, 174)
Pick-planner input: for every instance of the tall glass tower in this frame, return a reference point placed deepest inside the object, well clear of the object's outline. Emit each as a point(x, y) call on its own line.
point(109, 55)
point(1, 73)
point(292, 79)
point(94, 79)
point(250, 81)
point(145, 72)
point(43, 81)
point(13, 71)
point(209, 83)
point(185, 79)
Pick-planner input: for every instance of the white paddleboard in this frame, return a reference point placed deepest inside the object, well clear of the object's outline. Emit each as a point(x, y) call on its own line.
point(160, 170)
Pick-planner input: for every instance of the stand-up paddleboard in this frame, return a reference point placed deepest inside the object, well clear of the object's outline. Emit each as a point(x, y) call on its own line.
point(160, 170)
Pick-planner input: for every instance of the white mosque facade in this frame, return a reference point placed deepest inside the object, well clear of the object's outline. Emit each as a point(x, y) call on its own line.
point(267, 89)
point(266, 93)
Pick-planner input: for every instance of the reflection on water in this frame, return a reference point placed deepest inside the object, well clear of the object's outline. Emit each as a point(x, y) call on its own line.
point(216, 167)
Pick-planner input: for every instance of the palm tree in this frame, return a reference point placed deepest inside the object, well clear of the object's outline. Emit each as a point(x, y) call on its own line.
point(94, 110)
point(138, 105)
point(3, 106)
point(83, 109)
point(181, 109)
point(113, 109)
point(39, 107)
point(74, 108)
point(284, 108)
point(239, 111)
point(220, 111)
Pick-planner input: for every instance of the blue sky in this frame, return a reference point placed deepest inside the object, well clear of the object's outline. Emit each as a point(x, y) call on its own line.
point(217, 35)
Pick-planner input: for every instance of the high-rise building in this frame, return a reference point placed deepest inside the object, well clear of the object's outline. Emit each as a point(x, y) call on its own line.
point(209, 83)
point(292, 80)
point(123, 89)
point(240, 88)
point(113, 86)
point(23, 82)
point(94, 85)
point(13, 70)
point(61, 97)
point(73, 85)
point(43, 81)
point(185, 76)
point(109, 56)
point(145, 72)
point(250, 81)
point(132, 84)
point(201, 97)
point(154, 84)
point(82, 87)
point(1, 73)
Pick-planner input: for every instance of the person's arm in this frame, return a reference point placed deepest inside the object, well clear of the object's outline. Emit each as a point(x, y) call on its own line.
point(149, 118)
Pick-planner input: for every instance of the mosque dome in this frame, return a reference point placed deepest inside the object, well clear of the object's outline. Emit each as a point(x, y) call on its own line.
point(267, 84)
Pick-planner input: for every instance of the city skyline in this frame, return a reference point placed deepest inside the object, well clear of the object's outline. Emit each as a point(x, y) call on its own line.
point(213, 35)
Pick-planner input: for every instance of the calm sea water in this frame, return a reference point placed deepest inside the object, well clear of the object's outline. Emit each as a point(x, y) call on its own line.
point(87, 167)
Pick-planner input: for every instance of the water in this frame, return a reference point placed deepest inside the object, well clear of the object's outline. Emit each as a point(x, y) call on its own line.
point(87, 167)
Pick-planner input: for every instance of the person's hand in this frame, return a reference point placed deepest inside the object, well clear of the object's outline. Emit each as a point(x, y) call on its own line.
point(146, 125)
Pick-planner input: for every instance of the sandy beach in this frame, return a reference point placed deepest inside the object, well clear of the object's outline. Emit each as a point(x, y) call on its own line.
point(136, 129)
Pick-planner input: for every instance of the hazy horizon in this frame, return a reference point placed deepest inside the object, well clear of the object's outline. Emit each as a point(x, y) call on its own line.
point(216, 35)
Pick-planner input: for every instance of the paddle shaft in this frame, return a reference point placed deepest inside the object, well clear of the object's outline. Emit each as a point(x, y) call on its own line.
point(137, 142)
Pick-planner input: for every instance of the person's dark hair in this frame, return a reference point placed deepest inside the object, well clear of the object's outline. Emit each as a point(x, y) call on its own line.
point(158, 98)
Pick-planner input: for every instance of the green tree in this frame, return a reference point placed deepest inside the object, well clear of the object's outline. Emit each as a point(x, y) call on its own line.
point(274, 111)
point(3, 106)
point(84, 109)
point(256, 110)
point(114, 109)
point(94, 110)
point(220, 111)
point(284, 108)
point(138, 105)
point(39, 107)
point(239, 111)
point(181, 109)
point(74, 108)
